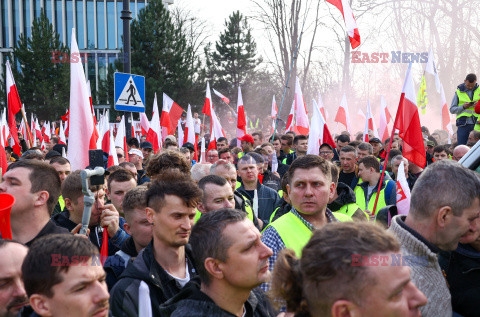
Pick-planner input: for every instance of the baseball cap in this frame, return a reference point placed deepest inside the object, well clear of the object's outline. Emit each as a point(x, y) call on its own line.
point(136, 152)
point(374, 140)
point(146, 145)
point(189, 146)
point(247, 137)
point(326, 144)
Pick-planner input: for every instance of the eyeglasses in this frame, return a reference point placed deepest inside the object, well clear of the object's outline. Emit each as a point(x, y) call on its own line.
point(325, 152)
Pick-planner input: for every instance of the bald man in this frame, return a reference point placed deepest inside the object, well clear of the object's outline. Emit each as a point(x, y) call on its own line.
point(459, 151)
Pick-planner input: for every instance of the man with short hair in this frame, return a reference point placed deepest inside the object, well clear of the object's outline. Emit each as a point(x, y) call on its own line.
point(377, 147)
point(227, 170)
point(212, 156)
point(226, 154)
point(286, 143)
point(102, 215)
point(63, 276)
point(118, 184)
point(129, 167)
point(62, 166)
point(348, 165)
point(222, 143)
point(342, 259)
point(277, 145)
point(147, 150)
point(341, 140)
point(165, 265)
point(232, 261)
point(257, 138)
point(473, 138)
point(463, 105)
point(217, 194)
point(36, 187)
point(54, 140)
point(367, 191)
point(139, 229)
point(364, 149)
point(268, 199)
point(440, 153)
point(300, 143)
point(459, 151)
point(12, 292)
point(132, 143)
point(167, 161)
point(439, 217)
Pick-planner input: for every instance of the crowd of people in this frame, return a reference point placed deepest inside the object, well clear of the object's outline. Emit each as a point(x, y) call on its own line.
point(259, 229)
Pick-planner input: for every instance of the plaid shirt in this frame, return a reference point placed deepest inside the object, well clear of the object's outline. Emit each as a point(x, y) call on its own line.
point(272, 239)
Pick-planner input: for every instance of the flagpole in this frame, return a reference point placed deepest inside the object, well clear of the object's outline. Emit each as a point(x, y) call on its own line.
point(29, 135)
point(386, 156)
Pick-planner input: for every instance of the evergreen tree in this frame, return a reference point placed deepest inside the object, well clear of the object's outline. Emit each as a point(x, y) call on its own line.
point(160, 53)
point(43, 81)
point(233, 62)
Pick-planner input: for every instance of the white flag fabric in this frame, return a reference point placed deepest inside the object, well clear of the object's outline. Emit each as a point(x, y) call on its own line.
point(403, 191)
point(144, 303)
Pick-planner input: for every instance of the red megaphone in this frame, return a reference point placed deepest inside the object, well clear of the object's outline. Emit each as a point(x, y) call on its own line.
point(6, 203)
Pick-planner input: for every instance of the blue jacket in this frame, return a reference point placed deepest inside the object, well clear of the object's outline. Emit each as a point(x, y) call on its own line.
point(268, 200)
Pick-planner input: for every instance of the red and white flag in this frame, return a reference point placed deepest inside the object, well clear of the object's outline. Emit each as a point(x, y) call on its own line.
point(361, 115)
point(47, 132)
point(241, 120)
point(144, 124)
point(403, 191)
point(61, 135)
point(154, 134)
point(350, 23)
point(369, 124)
point(319, 132)
point(274, 113)
point(301, 123)
point(103, 141)
point(225, 99)
point(14, 104)
point(81, 126)
point(407, 121)
point(446, 120)
point(207, 107)
point(189, 135)
point(385, 118)
point(171, 113)
point(42, 145)
point(112, 153)
point(180, 134)
point(322, 107)
point(121, 138)
point(342, 114)
point(217, 132)
point(291, 118)
point(4, 130)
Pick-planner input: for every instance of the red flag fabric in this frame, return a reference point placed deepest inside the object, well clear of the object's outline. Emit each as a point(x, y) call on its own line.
point(154, 134)
point(104, 249)
point(301, 122)
point(407, 121)
point(241, 120)
point(14, 104)
point(342, 114)
point(225, 99)
point(291, 119)
point(207, 107)
point(384, 120)
point(144, 124)
point(349, 19)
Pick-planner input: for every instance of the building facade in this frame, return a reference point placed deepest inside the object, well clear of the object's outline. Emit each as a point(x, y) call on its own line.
point(97, 24)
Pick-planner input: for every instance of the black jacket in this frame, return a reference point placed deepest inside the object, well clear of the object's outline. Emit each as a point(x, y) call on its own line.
point(162, 286)
point(462, 268)
point(346, 196)
point(271, 180)
point(192, 302)
point(117, 263)
point(49, 228)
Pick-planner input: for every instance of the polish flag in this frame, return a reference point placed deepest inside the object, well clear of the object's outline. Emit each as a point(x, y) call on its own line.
point(103, 141)
point(14, 104)
point(95, 123)
point(385, 118)
point(121, 138)
point(144, 124)
point(81, 125)
point(225, 99)
point(33, 130)
point(42, 145)
point(46, 132)
point(189, 133)
point(241, 122)
point(291, 118)
point(350, 23)
point(217, 132)
point(407, 121)
point(65, 118)
point(446, 121)
point(403, 191)
point(61, 135)
point(3, 154)
point(301, 124)
point(154, 134)
point(342, 114)
point(361, 114)
point(180, 135)
point(369, 124)
point(207, 107)
point(319, 132)
point(4, 130)
point(322, 107)
point(112, 153)
point(132, 126)
point(171, 112)
point(38, 131)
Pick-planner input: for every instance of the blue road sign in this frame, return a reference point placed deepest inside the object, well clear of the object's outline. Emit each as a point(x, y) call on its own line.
point(129, 92)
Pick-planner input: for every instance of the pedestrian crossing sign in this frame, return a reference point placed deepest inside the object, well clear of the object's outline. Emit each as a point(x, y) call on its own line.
point(129, 92)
